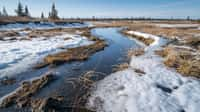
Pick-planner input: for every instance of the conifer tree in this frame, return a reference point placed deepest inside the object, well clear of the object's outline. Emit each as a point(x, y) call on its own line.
point(19, 10)
point(0, 14)
point(42, 15)
point(26, 13)
point(4, 13)
point(54, 13)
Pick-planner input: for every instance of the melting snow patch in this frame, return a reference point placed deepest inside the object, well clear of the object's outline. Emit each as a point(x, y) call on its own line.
point(161, 89)
point(18, 55)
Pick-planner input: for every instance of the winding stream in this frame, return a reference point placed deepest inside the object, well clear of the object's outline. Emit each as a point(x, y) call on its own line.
point(102, 61)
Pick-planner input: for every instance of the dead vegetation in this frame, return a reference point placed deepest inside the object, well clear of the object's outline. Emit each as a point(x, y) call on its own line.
point(135, 52)
point(8, 34)
point(73, 54)
point(194, 42)
point(81, 90)
point(120, 67)
point(185, 61)
point(189, 37)
point(22, 96)
point(8, 81)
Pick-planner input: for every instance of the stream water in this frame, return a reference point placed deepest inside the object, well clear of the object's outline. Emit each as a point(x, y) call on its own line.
point(102, 62)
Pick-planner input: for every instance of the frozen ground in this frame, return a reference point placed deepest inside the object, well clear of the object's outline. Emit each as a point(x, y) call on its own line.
point(42, 25)
point(17, 56)
point(160, 89)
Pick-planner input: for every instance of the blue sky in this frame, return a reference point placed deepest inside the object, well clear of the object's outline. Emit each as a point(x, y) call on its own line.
point(111, 8)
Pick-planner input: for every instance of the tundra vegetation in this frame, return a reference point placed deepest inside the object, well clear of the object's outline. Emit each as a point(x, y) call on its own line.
point(182, 53)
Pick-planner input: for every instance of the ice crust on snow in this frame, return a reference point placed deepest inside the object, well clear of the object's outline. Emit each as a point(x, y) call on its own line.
point(17, 56)
point(161, 89)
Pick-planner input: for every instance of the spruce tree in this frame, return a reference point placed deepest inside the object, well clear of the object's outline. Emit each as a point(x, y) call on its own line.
point(42, 15)
point(4, 13)
point(19, 10)
point(54, 13)
point(26, 13)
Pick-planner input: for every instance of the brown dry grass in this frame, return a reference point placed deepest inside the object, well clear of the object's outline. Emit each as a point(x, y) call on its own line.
point(22, 96)
point(182, 60)
point(193, 41)
point(120, 67)
point(187, 36)
point(75, 54)
point(135, 52)
point(83, 86)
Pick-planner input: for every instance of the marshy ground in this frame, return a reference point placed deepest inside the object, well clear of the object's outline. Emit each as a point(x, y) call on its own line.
point(72, 71)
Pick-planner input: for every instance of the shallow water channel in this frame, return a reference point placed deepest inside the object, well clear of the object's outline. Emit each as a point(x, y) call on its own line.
point(101, 62)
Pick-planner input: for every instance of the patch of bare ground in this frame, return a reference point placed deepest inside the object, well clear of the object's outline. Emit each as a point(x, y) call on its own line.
point(140, 72)
point(185, 61)
point(22, 96)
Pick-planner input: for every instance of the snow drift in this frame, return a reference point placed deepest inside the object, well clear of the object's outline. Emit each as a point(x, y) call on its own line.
point(160, 89)
point(18, 55)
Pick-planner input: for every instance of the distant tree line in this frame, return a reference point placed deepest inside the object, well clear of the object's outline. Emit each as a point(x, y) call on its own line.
point(22, 11)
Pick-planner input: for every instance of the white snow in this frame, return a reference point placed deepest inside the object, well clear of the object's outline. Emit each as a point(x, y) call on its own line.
point(42, 25)
point(161, 89)
point(177, 25)
point(17, 56)
point(145, 35)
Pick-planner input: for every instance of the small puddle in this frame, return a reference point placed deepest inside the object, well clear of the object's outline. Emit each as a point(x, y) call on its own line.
point(102, 62)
